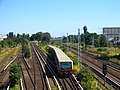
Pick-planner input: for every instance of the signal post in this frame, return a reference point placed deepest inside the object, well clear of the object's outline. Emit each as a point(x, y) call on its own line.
point(104, 71)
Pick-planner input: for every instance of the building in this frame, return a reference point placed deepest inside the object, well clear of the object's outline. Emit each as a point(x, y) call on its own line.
point(112, 33)
point(1, 37)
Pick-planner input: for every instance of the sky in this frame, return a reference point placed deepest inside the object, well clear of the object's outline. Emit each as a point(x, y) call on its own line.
point(58, 17)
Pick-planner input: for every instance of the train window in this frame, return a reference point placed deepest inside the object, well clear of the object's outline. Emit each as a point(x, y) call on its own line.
point(65, 65)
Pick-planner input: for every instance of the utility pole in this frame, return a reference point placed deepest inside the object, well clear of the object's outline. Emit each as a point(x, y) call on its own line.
point(0, 47)
point(67, 43)
point(61, 42)
point(119, 37)
point(107, 44)
point(93, 41)
point(79, 50)
point(71, 42)
point(99, 41)
point(54, 41)
point(100, 33)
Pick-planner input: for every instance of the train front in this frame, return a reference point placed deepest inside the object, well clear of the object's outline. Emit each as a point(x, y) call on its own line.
point(65, 68)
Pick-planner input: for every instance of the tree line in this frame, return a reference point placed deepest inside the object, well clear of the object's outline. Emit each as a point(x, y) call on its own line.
point(39, 36)
point(87, 39)
point(13, 40)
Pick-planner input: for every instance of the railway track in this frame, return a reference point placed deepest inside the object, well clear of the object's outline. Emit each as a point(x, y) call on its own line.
point(28, 83)
point(115, 72)
point(112, 76)
point(65, 83)
point(4, 74)
point(38, 71)
point(5, 59)
point(49, 79)
point(110, 63)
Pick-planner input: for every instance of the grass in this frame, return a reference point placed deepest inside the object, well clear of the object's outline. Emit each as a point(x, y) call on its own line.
point(55, 87)
point(43, 46)
point(110, 52)
point(102, 50)
point(5, 53)
point(114, 60)
point(16, 51)
point(16, 87)
point(10, 59)
point(14, 54)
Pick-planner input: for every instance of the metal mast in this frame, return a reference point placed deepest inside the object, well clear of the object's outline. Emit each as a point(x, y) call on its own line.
point(67, 43)
point(79, 50)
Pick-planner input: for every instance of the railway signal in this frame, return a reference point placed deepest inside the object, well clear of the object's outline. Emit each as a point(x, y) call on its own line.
point(104, 71)
point(85, 32)
point(85, 29)
point(104, 68)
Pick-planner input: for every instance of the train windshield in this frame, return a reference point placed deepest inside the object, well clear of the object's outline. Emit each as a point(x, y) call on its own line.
point(65, 65)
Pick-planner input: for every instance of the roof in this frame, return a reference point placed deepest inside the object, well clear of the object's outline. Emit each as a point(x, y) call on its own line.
point(60, 54)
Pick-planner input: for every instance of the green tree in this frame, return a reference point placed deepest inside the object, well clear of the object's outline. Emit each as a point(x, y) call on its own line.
point(4, 43)
point(103, 42)
point(11, 34)
point(64, 39)
point(33, 37)
point(46, 37)
point(75, 38)
point(18, 35)
point(39, 36)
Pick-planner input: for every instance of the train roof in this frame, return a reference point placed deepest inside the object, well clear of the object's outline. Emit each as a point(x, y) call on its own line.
point(62, 57)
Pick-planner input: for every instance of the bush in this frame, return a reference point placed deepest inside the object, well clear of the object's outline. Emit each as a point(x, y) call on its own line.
point(87, 79)
point(43, 44)
point(26, 51)
point(16, 87)
point(64, 49)
point(14, 74)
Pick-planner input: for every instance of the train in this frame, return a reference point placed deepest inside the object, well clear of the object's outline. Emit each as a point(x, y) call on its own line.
point(63, 63)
